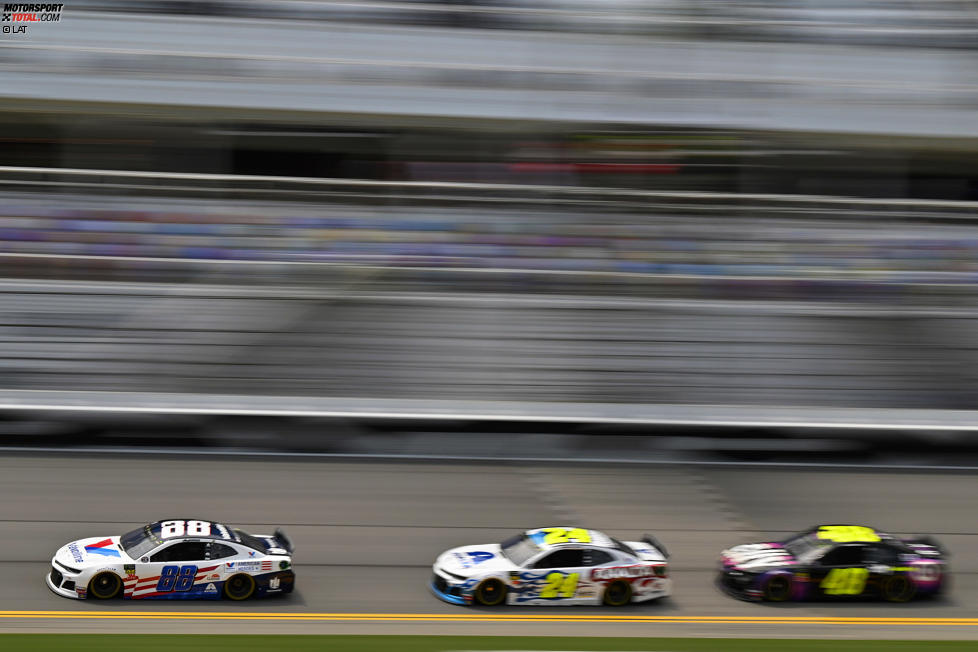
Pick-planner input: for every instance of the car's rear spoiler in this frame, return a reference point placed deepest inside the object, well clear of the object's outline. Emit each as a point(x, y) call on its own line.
point(652, 541)
point(283, 539)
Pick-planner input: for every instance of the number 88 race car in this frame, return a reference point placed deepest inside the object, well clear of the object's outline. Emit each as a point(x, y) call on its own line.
point(175, 560)
point(554, 565)
point(834, 561)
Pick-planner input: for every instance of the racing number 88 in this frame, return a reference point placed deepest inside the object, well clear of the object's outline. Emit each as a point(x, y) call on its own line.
point(178, 529)
point(176, 578)
point(559, 585)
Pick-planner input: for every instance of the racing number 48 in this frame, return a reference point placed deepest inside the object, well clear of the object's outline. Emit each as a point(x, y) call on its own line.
point(176, 578)
point(845, 581)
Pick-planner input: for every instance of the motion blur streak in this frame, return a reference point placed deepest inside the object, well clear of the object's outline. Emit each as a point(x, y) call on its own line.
point(771, 620)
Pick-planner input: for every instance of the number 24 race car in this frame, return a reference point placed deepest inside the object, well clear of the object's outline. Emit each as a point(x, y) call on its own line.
point(834, 561)
point(173, 560)
point(554, 565)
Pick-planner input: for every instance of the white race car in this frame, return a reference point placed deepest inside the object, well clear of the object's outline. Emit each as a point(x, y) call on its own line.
point(177, 559)
point(554, 565)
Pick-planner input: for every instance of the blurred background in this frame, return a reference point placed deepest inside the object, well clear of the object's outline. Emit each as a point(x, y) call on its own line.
point(363, 226)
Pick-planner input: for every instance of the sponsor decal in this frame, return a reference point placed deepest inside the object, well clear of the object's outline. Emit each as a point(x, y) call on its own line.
point(229, 566)
point(626, 572)
point(283, 565)
point(251, 553)
point(274, 584)
point(75, 552)
point(246, 565)
point(474, 558)
point(102, 548)
point(81, 591)
point(514, 578)
point(215, 576)
point(210, 588)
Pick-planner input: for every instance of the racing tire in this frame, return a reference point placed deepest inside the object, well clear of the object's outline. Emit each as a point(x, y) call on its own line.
point(898, 588)
point(618, 594)
point(490, 593)
point(239, 587)
point(777, 588)
point(105, 586)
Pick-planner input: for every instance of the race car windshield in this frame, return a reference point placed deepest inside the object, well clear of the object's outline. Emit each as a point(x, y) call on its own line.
point(621, 545)
point(805, 546)
point(519, 548)
point(138, 542)
point(250, 541)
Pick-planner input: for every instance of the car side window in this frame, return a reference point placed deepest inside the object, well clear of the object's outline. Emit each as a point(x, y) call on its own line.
point(850, 555)
point(596, 557)
point(186, 551)
point(220, 551)
point(562, 559)
point(881, 555)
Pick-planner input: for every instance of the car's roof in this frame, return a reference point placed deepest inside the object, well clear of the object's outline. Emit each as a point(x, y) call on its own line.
point(849, 533)
point(552, 537)
point(205, 530)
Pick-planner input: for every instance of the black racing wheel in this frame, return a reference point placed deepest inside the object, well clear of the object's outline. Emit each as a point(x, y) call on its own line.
point(618, 594)
point(239, 587)
point(778, 588)
point(491, 592)
point(105, 586)
point(898, 588)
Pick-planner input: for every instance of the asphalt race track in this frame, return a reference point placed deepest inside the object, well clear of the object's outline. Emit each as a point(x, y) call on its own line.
point(367, 532)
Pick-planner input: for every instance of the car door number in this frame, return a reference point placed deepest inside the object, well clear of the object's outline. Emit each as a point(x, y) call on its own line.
point(176, 578)
point(560, 585)
point(845, 581)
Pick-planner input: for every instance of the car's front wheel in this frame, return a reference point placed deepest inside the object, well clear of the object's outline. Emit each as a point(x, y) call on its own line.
point(239, 587)
point(105, 586)
point(777, 588)
point(490, 593)
point(618, 594)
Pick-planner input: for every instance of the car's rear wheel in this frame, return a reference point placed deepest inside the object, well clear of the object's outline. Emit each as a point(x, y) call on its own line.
point(777, 588)
point(105, 586)
point(618, 594)
point(898, 588)
point(239, 587)
point(490, 593)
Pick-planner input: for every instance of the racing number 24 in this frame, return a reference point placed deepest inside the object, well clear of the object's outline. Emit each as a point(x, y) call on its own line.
point(176, 578)
point(560, 585)
point(845, 581)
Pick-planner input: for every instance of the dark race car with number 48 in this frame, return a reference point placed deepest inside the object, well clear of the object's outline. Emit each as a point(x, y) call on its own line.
point(177, 559)
point(835, 561)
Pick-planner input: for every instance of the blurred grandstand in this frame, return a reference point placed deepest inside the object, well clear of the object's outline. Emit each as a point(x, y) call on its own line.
point(755, 203)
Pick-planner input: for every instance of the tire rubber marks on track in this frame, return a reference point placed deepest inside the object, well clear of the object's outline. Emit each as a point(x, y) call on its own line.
point(543, 487)
point(718, 499)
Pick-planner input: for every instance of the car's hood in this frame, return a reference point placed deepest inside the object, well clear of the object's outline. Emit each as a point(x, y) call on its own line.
point(756, 557)
point(474, 560)
point(95, 551)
